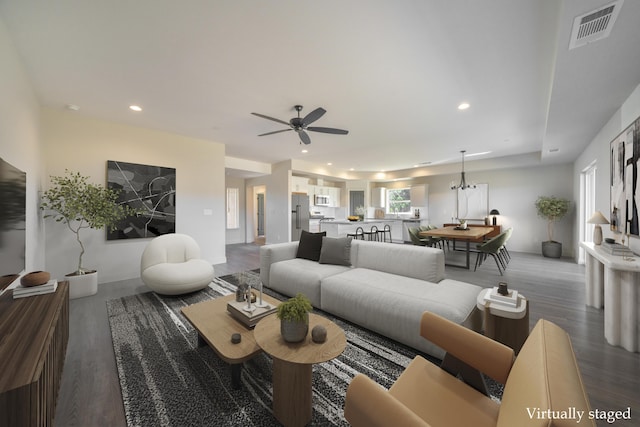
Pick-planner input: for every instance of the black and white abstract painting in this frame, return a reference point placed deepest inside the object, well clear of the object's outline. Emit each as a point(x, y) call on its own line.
point(625, 183)
point(473, 203)
point(151, 190)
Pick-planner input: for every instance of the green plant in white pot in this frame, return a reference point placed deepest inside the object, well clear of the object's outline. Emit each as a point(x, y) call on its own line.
point(79, 204)
point(294, 318)
point(552, 209)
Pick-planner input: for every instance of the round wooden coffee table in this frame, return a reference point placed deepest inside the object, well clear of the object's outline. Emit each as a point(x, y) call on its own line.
point(292, 365)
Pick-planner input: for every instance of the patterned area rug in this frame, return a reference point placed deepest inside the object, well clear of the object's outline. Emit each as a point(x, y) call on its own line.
point(167, 380)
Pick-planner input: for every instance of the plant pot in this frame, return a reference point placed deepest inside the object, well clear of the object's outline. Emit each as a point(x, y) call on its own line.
point(552, 249)
point(82, 285)
point(293, 331)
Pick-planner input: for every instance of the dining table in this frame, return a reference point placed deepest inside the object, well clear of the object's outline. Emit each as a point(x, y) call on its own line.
point(458, 233)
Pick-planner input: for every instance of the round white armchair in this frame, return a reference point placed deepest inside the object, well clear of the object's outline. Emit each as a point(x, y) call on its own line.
point(171, 265)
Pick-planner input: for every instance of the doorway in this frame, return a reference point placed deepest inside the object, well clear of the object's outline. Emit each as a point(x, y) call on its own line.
point(260, 215)
point(356, 199)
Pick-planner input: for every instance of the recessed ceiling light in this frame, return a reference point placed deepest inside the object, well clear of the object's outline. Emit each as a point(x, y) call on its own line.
point(329, 164)
point(351, 169)
point(72, 107)
point(135, 108)
point(305, 151)
point(464, 106)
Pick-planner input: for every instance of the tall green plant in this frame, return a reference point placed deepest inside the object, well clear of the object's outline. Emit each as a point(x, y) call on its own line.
point(552, 209)
point(79, 204)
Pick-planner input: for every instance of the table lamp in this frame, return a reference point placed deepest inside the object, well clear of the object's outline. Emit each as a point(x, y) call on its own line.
point(494, 212)
point(597, 218)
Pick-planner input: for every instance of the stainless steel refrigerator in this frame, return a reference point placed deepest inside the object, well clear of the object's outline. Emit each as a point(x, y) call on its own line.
point(299, 215)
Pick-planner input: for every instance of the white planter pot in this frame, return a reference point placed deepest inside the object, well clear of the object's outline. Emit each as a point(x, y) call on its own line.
point(82, 285)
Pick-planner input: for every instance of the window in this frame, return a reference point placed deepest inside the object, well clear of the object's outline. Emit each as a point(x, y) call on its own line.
point(233, 208)
point(398, 200)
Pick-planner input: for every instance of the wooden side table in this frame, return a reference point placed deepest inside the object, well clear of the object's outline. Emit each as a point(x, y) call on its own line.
point(503, 323)
point(292, 365)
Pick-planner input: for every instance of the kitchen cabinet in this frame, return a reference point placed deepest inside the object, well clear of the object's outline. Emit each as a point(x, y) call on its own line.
point(334, 196)
point(299, 184)
point(314, 226)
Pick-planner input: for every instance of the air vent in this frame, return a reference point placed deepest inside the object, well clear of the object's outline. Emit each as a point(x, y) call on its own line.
point(594, 25)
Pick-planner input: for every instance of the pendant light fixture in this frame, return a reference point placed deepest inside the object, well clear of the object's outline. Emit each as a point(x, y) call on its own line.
point(463, 181)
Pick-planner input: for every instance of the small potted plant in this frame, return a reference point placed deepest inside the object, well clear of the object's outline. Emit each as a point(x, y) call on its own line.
point(294, 318)
point(79, 204)
point(360, 212)
point(552, 209)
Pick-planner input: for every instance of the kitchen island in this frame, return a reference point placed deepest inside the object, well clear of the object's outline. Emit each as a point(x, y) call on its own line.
point(340, 228)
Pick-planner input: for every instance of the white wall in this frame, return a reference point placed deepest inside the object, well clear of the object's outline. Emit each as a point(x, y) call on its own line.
point(277, 189)
point(598, 151)
point(20, 142)
point(513, 192)
point(78, 143)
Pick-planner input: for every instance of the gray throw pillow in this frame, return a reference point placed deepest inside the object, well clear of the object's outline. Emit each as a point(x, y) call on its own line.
point(336, 251)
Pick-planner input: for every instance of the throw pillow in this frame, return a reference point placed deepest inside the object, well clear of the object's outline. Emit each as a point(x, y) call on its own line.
point(336, 251)
point(310, 245)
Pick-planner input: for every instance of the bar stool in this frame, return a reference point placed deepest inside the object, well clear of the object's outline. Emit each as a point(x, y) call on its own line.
point(372, 234)
point(382, 234)
point(359, 234)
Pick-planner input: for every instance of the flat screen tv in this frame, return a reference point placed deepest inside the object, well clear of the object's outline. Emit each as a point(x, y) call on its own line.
point(13, 186)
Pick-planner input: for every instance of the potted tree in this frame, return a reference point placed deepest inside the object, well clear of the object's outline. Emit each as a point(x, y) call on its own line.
point(552, 209)
point(294, 318)
point(79, 204)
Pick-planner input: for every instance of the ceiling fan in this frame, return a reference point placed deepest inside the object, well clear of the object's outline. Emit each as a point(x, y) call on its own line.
point(301, 125)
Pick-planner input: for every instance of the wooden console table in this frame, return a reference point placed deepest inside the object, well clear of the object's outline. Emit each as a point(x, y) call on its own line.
point(33, 343)
point(613, 283)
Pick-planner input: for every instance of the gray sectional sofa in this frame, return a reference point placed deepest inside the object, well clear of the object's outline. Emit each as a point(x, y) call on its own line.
point(386, 289)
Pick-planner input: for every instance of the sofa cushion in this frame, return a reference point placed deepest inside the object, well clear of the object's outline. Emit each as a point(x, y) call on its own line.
point(310, 245)
point(418, 262)
point(336, 251)
point(392, 305)
point(301, 275)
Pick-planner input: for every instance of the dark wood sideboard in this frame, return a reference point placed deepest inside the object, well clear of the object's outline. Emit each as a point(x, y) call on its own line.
point(34, 332)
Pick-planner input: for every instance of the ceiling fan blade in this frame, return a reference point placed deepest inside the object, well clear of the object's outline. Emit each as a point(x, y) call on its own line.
point(304, 137)
point(275, 131)
point(313, 116)
point(328, 130)
point(271, 118)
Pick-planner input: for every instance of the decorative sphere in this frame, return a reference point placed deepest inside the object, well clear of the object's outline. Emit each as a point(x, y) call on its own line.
point(35, 278)
point(319, 334)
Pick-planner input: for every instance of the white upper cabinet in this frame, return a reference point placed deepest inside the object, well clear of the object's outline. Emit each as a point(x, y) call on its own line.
point(299, 184)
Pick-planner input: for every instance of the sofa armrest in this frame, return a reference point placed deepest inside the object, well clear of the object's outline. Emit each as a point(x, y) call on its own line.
point(369, 405)
point(484, 354)
point(276, 252)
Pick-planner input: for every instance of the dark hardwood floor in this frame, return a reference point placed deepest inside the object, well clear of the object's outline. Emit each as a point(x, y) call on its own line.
point(90, 391)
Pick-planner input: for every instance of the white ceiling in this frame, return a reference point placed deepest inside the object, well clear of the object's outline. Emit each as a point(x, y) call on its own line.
point(391, 72)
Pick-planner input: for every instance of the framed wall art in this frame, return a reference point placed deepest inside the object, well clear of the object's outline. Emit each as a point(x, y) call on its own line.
point(473, 203)
point(151, 190)
point(624, 180)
